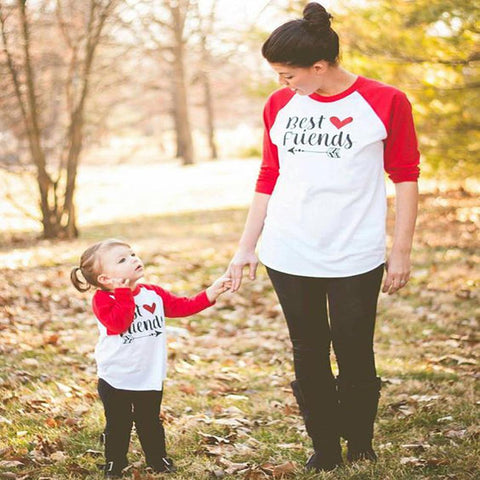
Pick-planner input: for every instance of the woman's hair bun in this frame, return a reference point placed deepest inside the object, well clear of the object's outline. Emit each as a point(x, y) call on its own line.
point(304, 41)
point(316, 18)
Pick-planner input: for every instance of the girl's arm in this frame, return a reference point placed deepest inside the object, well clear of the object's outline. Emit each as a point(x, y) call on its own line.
point(398, 263)
point(245, 254)
point(182, 306)
point(117, 313)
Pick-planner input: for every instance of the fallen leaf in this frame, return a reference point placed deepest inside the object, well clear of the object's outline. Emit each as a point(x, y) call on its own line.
point(10, 464)
point(456, 433)
point(214, 439)
point(8, 476)
point(51, 339)
point(188, 389)
point(416, 447)
point(58, 456)
point(231, 467)
point(284, 469)
point(291, 446)
point(31, 362)
point(412, 461)
point(448, 418)
point(236, 397)
point(51, 422)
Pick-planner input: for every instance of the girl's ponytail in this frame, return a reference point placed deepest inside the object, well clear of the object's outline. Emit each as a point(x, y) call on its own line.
point(80, 285)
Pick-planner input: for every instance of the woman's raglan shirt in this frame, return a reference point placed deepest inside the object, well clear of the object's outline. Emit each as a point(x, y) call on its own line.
point(323, 164)
point(131, 352)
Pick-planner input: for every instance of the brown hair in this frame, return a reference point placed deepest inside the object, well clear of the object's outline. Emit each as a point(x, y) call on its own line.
point(302, 42)
point(90, 265)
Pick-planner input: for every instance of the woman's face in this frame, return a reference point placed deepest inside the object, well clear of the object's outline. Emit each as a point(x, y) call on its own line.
point(301, 80)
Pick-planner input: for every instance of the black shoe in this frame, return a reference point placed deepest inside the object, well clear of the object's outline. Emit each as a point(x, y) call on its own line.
point(113, 470)
point(319, 463)
point(359, 454)
point(165, 466)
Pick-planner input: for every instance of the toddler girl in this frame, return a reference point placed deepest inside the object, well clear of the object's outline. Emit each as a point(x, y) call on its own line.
point(131, 351)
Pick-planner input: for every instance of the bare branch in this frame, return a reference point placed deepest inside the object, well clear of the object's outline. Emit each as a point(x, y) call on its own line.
point(12, 200)
point(62, 24)
point(30, 80)
point(12, 69)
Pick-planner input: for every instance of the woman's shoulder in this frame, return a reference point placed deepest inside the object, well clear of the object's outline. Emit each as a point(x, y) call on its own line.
point(371, 86)
point(277, 100)
point(282, 92)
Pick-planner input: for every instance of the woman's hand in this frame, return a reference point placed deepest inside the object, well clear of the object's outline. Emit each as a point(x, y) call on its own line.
point(398, 271)
point(398, 263)
point(245, 254)
point(219, 286)
point(235, 270)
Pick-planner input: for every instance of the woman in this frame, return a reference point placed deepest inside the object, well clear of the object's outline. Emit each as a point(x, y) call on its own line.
point(320, 205)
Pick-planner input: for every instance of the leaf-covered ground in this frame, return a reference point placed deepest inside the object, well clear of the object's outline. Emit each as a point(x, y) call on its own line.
point(228, 409)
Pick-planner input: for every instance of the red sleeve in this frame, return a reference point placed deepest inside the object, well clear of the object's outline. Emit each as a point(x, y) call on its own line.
point(401, 156)
point(270, 169)
point(182, 306)
point(116, 313)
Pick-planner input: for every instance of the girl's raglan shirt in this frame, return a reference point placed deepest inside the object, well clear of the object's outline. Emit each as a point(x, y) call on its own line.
point(131, 352)
point(323, 164)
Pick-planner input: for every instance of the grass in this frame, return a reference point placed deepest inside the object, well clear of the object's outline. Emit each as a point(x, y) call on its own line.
point(227, 399)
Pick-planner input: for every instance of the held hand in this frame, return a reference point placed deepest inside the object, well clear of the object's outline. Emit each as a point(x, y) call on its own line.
point(239, 261)
point(219, 286)
point(398, 272)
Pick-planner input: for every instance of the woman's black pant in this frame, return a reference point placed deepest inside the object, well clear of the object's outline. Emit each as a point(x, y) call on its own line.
point(122, 409)
point(330, 311)
point(321, 312)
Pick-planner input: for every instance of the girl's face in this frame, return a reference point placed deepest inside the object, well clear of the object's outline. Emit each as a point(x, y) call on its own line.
point(119, 263)
point(301, 80)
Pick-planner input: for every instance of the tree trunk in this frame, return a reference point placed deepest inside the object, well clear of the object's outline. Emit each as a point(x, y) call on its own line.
point(50, 219)
point(76, 136)
point(206, 28)
point(184, 134)
point(180, 102)
point(210, 116)
point(176, 122)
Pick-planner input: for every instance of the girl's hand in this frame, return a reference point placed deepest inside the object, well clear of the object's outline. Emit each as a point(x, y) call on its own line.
point(219, 286)
point(398, 271)
point(235, 270)
point(119, 283)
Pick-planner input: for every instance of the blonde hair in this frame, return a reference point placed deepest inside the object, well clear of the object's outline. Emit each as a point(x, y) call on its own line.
point(90, 264)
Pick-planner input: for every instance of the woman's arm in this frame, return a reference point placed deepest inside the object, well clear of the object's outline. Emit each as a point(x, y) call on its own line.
point(398, 263)
point(245, 254)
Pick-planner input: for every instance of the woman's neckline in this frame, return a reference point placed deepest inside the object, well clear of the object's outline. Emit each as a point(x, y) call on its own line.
point(337, 96)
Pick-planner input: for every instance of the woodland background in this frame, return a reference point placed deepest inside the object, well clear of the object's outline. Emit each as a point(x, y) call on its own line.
point(142, 120)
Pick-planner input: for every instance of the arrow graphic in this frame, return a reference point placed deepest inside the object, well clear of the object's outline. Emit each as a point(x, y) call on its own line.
point(131, 338)
point(332, 152)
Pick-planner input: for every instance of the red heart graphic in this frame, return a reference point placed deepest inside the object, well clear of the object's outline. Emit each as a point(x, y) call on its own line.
point(340, 123)
point(150, 308)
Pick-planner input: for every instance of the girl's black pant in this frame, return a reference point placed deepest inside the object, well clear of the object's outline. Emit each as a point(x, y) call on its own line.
point(321, 312)
point(122, 409)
